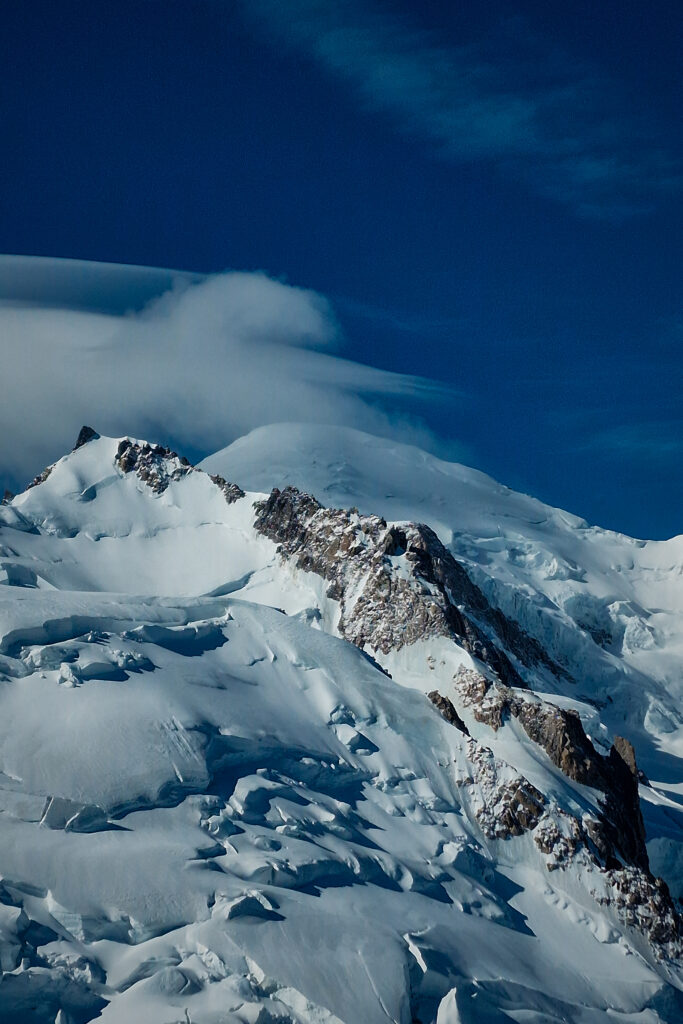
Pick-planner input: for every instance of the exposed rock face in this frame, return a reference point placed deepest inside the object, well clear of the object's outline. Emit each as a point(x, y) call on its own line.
point(41, 478)
point(158, 466)
point(395, 585)
point(155, 465)
point(508, 803)
point(448, 711)
point(644, 902)
point(86, 434)
point(7, 497)
point(559, 731)
point(559, 837)
point(231, 491)
point(621, 831)
point(622, 807)
point(435, 563)
point(625, 750)
point(479, 695)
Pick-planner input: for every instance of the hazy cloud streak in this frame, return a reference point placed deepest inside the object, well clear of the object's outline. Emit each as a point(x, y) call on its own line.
point(654, 441)
point(548, 122)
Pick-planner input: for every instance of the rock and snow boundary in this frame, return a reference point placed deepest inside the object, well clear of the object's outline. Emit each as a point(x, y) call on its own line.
point(266, 760)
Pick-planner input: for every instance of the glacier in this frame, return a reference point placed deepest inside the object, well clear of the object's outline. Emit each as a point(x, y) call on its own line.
point(329, 730)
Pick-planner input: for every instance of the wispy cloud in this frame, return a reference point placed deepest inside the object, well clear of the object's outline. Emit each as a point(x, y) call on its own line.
point(544, 119)
point(653, 441)
point(406, 321)
point(200, 365)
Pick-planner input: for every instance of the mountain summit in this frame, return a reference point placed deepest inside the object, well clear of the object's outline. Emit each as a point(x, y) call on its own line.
point(328, 730)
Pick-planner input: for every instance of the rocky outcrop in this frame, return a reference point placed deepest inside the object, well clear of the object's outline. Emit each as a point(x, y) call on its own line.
point(395, 585)
point(558, 836)
point(448, 711)
point(560, 733)
point(624, 820)
point(505, 803)
point(41, 478)
point(620, 833)
point(86, 434)
point(624, 748)
point(644, 903)
point(155, 465)
point(480, 696)
point(435, 564)
point(614, 841)
point(231, 492)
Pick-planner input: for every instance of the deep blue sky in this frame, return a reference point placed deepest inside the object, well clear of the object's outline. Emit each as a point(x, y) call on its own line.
point(509, 223)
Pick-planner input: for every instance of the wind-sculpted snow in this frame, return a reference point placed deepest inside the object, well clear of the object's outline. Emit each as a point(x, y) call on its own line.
point(215, 808)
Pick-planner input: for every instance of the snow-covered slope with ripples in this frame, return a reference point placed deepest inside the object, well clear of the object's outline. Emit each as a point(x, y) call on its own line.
point(214, 808)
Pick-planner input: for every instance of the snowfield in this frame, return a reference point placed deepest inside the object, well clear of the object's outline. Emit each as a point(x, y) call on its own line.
point(215, 808)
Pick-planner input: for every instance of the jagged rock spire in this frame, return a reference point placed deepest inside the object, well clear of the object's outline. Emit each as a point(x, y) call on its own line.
point(86, 434)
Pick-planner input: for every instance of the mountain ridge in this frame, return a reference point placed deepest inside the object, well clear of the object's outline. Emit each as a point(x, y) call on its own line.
point(212, 624)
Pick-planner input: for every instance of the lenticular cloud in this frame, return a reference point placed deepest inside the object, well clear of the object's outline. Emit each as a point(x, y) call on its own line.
point(202, 363)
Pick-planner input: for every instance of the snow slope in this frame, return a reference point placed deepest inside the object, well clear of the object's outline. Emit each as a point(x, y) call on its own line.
point(213, 808)
point(607, 606)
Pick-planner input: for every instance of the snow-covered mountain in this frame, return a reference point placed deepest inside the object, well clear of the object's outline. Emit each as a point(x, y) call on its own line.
point(330, 730)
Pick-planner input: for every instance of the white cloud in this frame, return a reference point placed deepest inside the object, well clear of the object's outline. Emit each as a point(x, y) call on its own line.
point(200, 365)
